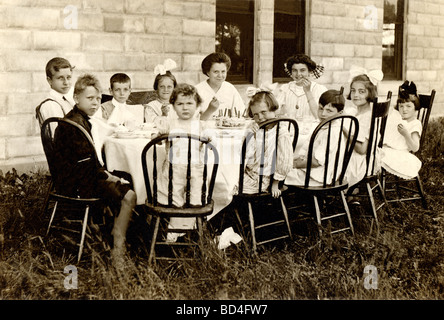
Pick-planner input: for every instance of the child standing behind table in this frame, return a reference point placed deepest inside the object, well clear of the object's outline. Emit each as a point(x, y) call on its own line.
point(218, 94)
point(164, 84)
point(403, 135)
point(116, 111)
point(331, 103)
point(363, 90)
point(262, 107)
point(59, 102)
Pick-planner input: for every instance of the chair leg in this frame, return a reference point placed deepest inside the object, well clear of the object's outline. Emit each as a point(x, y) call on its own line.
point(372, 203)
point(318, 214)
point(421, 192)
point(153, 241)
point(46, 203)
point(82, 238)
point(252, 226)
point(347, 211)
point(52, 217)
point(285, 213)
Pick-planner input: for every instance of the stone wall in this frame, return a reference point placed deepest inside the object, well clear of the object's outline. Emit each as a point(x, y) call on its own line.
point(133, 36)
point(109, 36)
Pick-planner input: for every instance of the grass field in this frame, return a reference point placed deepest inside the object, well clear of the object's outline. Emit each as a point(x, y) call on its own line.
point(406, 254)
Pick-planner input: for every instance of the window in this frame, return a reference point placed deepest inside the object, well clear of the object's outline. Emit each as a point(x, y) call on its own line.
point(392, 39)
point(235, 36)
point(289, 34)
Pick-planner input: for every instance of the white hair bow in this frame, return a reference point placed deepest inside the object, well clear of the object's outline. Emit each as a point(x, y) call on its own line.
point(167, 65)
point(270, 87)
point(375, 76)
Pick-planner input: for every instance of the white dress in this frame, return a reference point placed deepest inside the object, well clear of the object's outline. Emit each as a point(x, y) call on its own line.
point(293, 101)
point(357, 166)
point(227, 95)
point(153, 111)
point(396, 157)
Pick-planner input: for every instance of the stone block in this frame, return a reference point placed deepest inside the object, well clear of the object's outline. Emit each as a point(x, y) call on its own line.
point(335, 9)
point(208, 12)
point(16, 39)
point(429, 75)
point(334, 36)
point(415, 52)
point(123, 61)
point(207, 45)
point(321, 21)
point(363, 51)
point(154, 25)
point(15, 82)
point(198, 28)
point(16, 126)
point(33, 17)
point(172, 26)
point(147, 44)
point(175, 8)
point(27, 60)
point(415, 29)
point(153, 7)
point(85, 62)
point(322, 49)
point(4, 104)
point(345, 23)
point(111, 5)
point(192, 11)
point(23, 147)
point(192, 62)
point(90, 21)
point(413, 74)
point(422, 64)
point(2, 148)
point(53, 40)
point(333, 63)
point(130, 24)
point(24, 103)
point(343, 50)
point(350, 61)
point(102, 42)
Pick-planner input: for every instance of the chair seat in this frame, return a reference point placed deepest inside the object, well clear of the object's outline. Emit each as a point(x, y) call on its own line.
point(165, 211)
point(81, 201)
point(320, 189)
point(258, 195)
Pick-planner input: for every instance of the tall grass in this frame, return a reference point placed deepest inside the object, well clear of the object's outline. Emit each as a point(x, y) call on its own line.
point(407, 254)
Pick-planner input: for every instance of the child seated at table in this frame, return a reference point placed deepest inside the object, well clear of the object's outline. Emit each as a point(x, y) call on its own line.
point(185, 100)
point(164, 84)
point(116, 111)
point(262, 107)
point(331, 103)
point(403, 134)
point(79, 174)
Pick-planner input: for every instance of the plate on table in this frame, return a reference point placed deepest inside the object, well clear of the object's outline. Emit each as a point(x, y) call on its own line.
point(124, 135)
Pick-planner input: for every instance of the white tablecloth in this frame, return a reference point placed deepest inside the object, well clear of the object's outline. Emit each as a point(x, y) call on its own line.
point(125, 155)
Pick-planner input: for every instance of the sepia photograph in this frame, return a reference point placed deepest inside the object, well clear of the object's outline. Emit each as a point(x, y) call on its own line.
point(216, 158)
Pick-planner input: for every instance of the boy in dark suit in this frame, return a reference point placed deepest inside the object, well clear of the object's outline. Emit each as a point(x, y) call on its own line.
point(80, 173)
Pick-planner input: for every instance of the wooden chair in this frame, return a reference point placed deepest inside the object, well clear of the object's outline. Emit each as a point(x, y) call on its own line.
point(167, 211)
point(336, 151)
point(47, 137)
point(372, 179)
point(261, 197)
point(411, 189)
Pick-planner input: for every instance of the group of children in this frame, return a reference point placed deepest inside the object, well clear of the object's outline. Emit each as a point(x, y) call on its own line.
point(181, 105)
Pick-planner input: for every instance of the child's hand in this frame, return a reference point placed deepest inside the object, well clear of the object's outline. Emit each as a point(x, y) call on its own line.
point(275, 191)
point(253, 126)
point(165, 109)
point(402, 130)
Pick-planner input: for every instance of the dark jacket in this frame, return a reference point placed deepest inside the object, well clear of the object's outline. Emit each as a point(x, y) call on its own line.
point(78, 168)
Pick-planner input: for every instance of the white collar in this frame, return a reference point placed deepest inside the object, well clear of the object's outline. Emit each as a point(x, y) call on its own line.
point(117, 103)
point(56, 95)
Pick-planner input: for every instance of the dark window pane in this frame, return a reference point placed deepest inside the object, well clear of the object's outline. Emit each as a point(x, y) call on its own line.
point(235, 35)
point(289, 34)
point(392, 34)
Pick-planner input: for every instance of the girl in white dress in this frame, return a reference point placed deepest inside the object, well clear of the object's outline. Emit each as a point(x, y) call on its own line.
point(402, 138)
point(299, 98)
point(218, 94)
point(164, 84)
point(363, 90)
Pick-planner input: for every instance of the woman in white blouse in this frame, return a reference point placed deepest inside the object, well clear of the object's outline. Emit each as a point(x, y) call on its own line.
point(218, 95)
point(299, 98)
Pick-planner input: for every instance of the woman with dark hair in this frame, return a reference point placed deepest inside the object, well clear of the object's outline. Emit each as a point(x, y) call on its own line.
point(218, 94)
point(299, 98)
